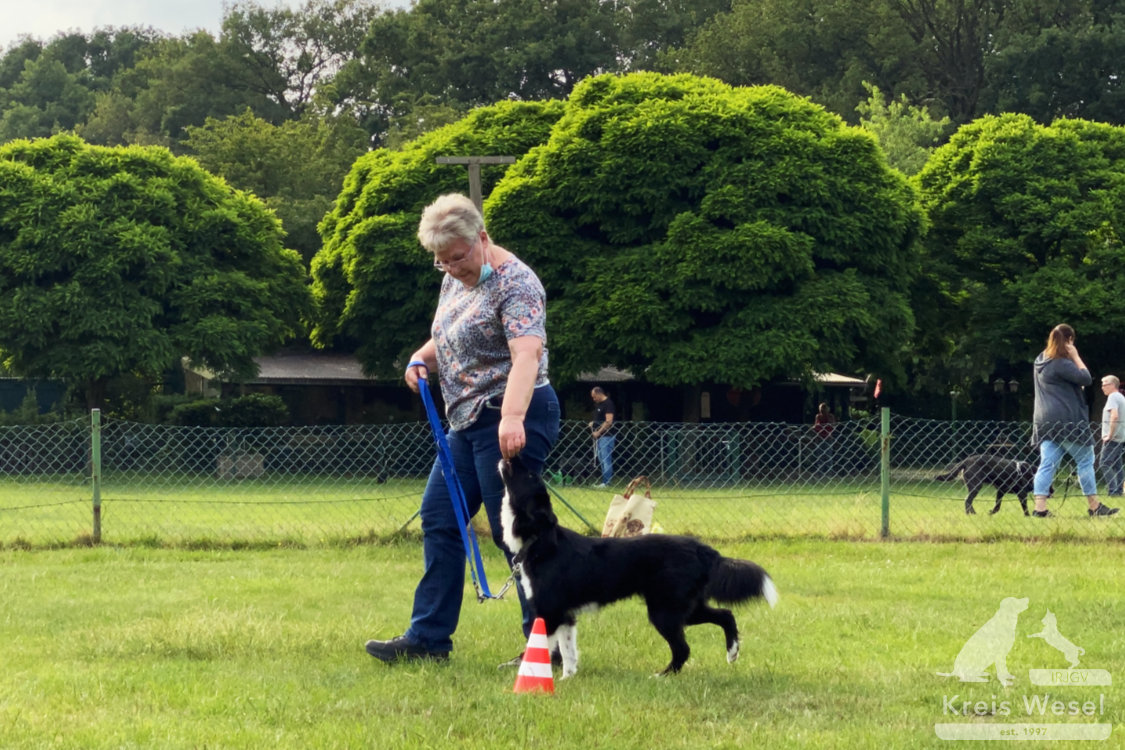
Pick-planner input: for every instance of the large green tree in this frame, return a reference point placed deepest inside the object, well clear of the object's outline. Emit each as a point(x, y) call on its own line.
point(1028, 222)
point(117, 261)
point(374, 284)
point(287, 53)
point(1059, 58)
point(823, 49)
point(49, 87)
point(953, 38)
point(176, 83)
point(296, 167)
point(907, 134)
point(694, 232)
point(466, 53)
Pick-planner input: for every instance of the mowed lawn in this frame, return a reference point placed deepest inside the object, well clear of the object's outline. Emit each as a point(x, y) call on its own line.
point(311, 511)
point(170, 648)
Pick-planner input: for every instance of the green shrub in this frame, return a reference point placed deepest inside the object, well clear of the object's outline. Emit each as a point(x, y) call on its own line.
point(195, 413)
point(254, 410)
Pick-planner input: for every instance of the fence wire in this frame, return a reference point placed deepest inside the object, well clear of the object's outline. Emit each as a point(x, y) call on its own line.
point(184, 486)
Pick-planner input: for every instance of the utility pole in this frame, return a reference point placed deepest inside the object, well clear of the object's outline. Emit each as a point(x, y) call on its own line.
point(473, 163)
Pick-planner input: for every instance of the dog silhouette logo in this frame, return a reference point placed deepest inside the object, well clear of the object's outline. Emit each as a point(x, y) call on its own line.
point(989, 646)
point(1050, 633)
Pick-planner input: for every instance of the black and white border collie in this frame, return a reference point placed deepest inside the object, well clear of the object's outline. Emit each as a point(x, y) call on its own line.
point(563, 573)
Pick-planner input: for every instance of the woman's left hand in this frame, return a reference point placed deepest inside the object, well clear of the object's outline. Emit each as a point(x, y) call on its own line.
point(512, 437)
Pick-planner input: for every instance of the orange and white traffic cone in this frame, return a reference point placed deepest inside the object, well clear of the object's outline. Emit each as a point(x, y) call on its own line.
point(535, 667)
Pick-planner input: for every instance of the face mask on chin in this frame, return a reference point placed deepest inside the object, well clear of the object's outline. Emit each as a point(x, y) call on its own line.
point(485, 269)
point(485, 272)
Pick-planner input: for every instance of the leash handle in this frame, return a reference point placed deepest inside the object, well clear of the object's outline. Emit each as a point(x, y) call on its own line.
point(456, 492)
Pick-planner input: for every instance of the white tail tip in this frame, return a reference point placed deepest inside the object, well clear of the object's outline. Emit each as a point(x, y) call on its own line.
point(769, 591)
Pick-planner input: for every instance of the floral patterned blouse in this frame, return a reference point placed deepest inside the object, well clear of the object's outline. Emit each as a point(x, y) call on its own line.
point(471, 330)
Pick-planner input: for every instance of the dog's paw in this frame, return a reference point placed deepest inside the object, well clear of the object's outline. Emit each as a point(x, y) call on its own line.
point(970, 512)
point(732, 653)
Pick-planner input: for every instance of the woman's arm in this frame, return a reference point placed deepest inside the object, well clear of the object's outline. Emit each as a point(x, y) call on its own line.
point(526, 352)
point(1082, 376)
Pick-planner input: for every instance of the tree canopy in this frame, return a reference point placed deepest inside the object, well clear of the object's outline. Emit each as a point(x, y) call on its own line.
point(466, 53)
point(694, 232)
point(276, 101)
point(296, 167)
point(122, 260)
point(907, 134)
point(1028, 222)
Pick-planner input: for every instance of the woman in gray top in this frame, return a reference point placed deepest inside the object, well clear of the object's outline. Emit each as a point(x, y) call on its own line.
point(1062, 420)
point(488, 352)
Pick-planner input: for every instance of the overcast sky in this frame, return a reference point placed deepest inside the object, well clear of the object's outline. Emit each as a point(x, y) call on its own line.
point(45, 18)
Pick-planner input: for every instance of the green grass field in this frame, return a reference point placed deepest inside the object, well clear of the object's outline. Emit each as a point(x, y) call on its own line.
point(305, 511)
point(140, 647)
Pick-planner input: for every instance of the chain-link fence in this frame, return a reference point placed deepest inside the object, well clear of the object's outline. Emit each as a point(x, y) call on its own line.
point(129, 483)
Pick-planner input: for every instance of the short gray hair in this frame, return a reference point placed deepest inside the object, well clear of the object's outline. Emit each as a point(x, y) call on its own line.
point(1111, 380)
point(450, 218)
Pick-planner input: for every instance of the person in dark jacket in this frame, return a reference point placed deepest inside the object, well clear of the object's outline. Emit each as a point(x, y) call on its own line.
point(1061, 422)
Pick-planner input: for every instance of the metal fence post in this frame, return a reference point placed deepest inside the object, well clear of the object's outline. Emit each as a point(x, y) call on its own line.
point(96, 470)
point(885, 468)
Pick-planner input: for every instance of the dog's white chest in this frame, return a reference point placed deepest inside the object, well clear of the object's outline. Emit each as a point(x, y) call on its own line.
point(507, 522)
point(513, 542)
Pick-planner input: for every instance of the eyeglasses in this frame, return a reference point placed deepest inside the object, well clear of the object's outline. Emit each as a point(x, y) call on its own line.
point(443, 266)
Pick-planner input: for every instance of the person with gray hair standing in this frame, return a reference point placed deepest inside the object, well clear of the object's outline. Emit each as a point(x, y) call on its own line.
point(1113, 436)
point(488, 351)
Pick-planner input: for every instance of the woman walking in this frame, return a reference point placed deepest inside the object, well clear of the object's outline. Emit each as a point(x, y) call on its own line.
point(1061, 423)
point(487, 350)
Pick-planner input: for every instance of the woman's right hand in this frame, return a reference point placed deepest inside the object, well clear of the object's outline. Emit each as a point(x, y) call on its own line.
point(413, 373)
point(419, 364)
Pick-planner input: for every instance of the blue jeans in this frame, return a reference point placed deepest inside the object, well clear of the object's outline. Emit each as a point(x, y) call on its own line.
point(1051, 453)
point(476, 455)
point(605, 456)
point(1110, 464)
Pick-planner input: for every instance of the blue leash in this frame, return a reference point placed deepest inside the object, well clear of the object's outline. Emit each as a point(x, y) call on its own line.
point(456, 493)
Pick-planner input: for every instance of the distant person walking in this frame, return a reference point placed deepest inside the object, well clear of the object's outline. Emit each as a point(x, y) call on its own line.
point(824, 425)
point(603, 428)
point(1061, 422)
point(1113, 436)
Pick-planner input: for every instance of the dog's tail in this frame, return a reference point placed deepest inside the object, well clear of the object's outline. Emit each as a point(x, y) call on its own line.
point(953, 471)
point(733, 581)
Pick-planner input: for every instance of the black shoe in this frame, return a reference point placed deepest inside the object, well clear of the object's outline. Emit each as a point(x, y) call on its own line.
point(1042, 514)
point(556, 660)
point(401, 649)
point(1103, 510)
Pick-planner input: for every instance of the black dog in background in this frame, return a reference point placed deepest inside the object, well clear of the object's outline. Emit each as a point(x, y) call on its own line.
point(1007, 475)
point(563, 573)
